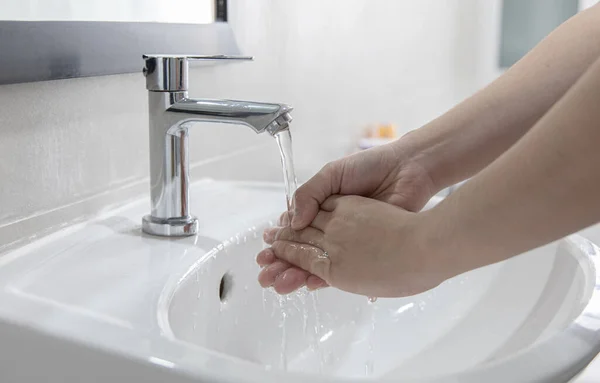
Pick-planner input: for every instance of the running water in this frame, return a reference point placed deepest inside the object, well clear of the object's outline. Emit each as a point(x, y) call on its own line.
point(284, 140)
point(283, 350)
point(317, 343)
point(370, 362)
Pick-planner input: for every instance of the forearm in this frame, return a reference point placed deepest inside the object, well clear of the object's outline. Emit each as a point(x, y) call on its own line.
point(543, 188)
point(463, 141)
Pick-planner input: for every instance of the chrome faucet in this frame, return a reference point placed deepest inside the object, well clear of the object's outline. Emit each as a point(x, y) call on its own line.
point(171, 115)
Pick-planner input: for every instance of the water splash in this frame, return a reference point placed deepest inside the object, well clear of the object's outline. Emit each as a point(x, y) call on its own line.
point(282, 325)
point(302, 294)
point(317, 342)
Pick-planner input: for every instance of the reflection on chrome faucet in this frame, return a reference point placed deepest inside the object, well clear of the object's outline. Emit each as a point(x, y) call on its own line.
point(171, 115)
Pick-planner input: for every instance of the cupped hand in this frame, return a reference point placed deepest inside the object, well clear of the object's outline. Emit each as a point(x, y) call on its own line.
point(362, 246)
point(391, 173)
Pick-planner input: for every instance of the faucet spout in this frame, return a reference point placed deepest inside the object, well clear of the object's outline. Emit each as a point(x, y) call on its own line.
point(259, 116)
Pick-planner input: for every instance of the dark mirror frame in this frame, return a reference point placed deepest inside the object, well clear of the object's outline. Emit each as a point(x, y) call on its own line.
point(51, 50)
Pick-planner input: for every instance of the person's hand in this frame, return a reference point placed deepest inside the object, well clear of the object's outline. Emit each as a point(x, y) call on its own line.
point(391, 173)
point(363, 246)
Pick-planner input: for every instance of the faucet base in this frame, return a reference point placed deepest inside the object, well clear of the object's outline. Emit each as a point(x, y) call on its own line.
point(171, 227)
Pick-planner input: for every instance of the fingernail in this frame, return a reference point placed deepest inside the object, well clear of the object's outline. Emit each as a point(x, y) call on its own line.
point(269, 235)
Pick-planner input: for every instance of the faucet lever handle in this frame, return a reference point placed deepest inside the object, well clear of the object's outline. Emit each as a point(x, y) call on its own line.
point(220, 57)
point(197, 57)
point(169, 73)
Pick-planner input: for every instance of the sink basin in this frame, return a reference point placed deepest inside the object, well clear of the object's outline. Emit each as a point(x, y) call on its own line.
point(488, 317)
point(113, 303)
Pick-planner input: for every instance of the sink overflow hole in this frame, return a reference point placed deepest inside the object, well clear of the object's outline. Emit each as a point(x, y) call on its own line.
point(225, 286)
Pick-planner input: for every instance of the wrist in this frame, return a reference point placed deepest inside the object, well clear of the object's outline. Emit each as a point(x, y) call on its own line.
point(437, 242)
point(426, 149)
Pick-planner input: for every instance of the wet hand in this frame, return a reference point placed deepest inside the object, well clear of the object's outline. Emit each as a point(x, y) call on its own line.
point(358, 245)
point(390, 173)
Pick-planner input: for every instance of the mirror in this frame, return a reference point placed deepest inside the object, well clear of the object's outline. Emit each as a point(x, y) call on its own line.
point(171, 11)
point(58, 39)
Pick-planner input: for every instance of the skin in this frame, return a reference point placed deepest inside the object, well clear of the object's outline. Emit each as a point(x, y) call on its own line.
point(480, 131)
point(543, 188)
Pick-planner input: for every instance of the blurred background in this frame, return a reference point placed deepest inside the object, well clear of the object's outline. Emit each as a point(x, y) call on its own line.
point(347, 65)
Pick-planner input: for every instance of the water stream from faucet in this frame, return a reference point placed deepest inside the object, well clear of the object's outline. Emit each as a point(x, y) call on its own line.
point(284, 141)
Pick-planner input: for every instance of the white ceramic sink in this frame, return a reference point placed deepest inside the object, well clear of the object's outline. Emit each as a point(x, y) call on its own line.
point(191, 309)
point(476, 320)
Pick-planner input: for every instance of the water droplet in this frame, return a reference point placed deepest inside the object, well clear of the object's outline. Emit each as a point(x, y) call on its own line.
point(246, 288)
point(372, 299)
point(264, 299)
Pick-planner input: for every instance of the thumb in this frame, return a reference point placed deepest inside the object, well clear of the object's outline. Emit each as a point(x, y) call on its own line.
point(314, 192)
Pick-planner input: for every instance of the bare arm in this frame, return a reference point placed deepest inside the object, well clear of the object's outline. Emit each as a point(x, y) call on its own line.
point(543, 188)
point(453, 147)
point(466, 139)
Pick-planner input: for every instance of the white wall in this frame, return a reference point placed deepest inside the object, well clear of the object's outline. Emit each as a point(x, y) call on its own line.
point(342, 63)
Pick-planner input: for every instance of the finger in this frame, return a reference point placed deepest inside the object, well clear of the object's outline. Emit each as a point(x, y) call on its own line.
point(313, 282)
point(306, 257)
point(265, 257)
point(331, 203)
point(284, 219)
point(321, 220)
point(290, 280)
point(309, 196)
point(267, 276)
point(269, 234)
point(310, 235)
